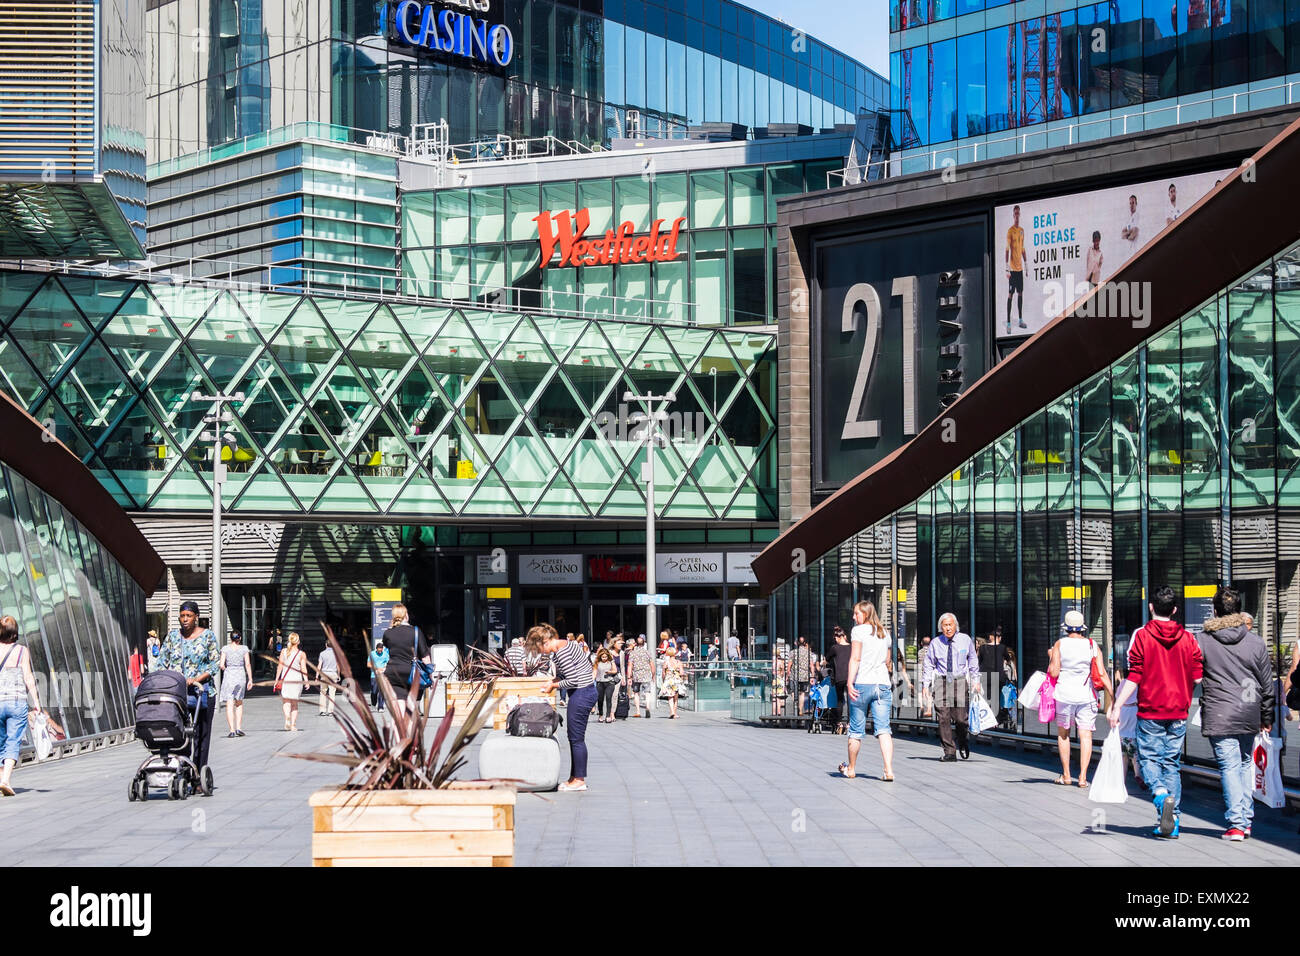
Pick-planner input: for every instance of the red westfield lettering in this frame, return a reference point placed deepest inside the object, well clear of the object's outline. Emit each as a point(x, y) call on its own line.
point(568, 231)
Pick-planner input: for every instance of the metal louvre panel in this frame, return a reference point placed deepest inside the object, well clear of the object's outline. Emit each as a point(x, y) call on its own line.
point(47, 88)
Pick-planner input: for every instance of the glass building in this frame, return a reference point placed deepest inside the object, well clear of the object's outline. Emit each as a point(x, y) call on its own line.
point(1162, 451)
point(222, 70)
point(481, 241)
point(386, 409)
point(980, 79)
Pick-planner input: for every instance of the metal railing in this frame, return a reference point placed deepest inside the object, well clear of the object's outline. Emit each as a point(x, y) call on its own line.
point(256, 276)
point(325, 132)
point(1281, 94)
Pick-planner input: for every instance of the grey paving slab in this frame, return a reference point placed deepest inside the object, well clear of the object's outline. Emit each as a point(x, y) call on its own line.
point(699, 791)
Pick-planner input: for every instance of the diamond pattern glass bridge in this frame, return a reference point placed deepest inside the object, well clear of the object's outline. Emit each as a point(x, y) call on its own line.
point(387, 408)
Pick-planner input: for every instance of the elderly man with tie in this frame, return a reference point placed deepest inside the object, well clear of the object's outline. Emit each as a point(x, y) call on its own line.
point(951, 673)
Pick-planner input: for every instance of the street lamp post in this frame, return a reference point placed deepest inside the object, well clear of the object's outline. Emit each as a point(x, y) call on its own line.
point(648, 474)
point(216, 420)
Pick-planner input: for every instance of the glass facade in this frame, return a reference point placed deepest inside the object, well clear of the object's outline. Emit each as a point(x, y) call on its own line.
point(363, 408)
point(1178, 465)
point(78, 611)
point(480, 243)
point(967, 71)
point(224, 69)
point(279, 209)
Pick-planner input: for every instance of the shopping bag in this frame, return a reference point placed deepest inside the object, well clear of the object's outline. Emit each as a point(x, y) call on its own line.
point(980, 715)
point(1268, 776)
point(42, 737)
point(829, 697)
point(1047, 701)
point(1029, 696)
point(1108, 779)
point(1008, 696)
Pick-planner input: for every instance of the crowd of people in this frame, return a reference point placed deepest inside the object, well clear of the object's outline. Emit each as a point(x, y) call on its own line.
point(1147, 698)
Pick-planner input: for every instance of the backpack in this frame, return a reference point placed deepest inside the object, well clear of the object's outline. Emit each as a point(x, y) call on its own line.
point(533, 720)
point(1293, 695)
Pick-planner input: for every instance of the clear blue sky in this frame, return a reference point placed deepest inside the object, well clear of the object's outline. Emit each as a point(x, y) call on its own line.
point(859, 28)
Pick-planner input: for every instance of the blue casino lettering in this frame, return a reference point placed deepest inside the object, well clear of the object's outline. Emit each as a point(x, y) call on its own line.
point(433, 27)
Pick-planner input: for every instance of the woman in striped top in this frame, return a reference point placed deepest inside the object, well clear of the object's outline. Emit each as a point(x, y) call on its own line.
point(573, 672)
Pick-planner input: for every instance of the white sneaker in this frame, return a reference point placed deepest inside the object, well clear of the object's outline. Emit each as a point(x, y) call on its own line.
point(567, 787)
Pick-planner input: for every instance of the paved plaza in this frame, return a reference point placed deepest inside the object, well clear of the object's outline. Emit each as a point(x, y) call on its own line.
point(699, 791)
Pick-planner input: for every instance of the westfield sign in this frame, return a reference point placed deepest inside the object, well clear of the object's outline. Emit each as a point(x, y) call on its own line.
point(568, 232)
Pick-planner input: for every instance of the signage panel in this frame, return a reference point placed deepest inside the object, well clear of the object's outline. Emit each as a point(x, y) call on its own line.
point(490, 569)
point(658, 599)
point(567, 232)
point(550, 569)
point(442, 29)
point(738, 567)
point(898, 331)
point(689, 567)
point(1057, 249)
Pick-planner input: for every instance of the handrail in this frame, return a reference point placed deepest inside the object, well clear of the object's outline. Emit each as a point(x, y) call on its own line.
point(950, 156)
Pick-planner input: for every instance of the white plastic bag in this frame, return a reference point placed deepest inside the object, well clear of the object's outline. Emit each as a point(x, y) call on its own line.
point(1108, 780)
point(981, 716)
point(1029, 696)
point(1268, 776)
point(42, 738)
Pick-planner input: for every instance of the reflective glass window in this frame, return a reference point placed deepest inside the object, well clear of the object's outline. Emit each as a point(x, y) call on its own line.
point(670, 196)
point(521, 209)
point(1267, 38)
point(596, 196)
point(943, 61)
point(708, 200)
point(748, 266)
point(632, 201)
point(615, 64)
point(676, 92)
point(712, 89)
point(487, 213)
point(709, 276)
point(783, 179)
point(1231, 43)
point(694, 86)
point(656, 72)
point(453, 216)
point(747, 203)
point(634, 68)
point(1001, 50)
point(972, 102)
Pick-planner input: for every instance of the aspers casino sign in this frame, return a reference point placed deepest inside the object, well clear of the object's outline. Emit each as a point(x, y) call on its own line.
point(438, 27)
point(568, 232)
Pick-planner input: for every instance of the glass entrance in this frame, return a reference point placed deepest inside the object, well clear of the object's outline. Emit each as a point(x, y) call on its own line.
point(564, 616)
point(749, 624)
point(698, 623)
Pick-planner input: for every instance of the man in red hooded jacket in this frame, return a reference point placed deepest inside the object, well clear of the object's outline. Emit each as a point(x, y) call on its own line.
point(1165, 665)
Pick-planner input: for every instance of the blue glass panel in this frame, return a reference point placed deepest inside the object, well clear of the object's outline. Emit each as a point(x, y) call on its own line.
point(1126, 53)
point(1231, 43)
point(730, 47)
point(656, 21)
point(745, 52)
point(915, 94)
point(614, 63)
point(712, 89)
point(676, 78)
point(695, 9)
point(675, 27)
point(729, 18)
point(712, 39)
point(943, 107)
point(614, 10)
point(695, 34)
point(1160, 48)
point(971, 84)
point(745, 23)
point(656, 72)
point(694, 86)
point(1001, 77)
point(729, 93)
point(745, 80)
point(635, 68)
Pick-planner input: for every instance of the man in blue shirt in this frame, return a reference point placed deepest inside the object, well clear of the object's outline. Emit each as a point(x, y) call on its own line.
point(951, 673)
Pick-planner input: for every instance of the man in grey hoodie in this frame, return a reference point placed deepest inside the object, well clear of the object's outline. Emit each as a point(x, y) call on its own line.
point(1236, 703)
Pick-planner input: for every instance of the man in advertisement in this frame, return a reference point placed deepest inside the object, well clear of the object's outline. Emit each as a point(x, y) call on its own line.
point(1173, 212)
point(1130, 231)
point(1094, 260)
point(1015, 258)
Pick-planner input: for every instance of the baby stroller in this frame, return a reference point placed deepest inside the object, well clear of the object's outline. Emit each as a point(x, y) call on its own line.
point(164, 719)
point(825, 707)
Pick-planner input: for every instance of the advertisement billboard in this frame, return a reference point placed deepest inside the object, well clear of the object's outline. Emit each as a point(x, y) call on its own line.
point(898, 331)
point(1048, 252)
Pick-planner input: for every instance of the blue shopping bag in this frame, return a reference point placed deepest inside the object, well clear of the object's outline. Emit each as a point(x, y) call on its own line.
point(1009, 696)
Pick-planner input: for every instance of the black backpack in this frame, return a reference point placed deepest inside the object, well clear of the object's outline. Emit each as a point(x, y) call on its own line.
point(1293, 695)
point(533, 720)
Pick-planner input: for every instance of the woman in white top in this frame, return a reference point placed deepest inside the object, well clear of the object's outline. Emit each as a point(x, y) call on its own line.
point(868, 686)
point(1076, 702)
point(291, 679)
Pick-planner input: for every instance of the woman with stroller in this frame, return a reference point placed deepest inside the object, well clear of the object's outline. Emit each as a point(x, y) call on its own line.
point(193, 651)
point(17, 685)
point(291, 679)
point(236, 679)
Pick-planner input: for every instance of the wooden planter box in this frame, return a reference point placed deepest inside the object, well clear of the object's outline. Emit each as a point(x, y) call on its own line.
point(504, 691)
point(466, 825)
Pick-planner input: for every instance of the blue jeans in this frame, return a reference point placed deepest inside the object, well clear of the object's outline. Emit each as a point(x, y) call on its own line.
point(1160, 755)
point(878, 697)
point(13, 719)
point(1237, 774)
point(579, 712)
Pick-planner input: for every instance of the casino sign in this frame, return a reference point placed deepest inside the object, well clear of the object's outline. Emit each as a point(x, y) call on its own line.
point(436, 27)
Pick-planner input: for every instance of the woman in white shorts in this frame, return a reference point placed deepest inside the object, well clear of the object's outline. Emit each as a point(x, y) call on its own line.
point(1076, 701)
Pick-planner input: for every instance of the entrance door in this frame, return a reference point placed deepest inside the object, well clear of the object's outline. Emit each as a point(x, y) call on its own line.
point(697, 622)
point(255, 612)
point(564, 616)
point(749, 623)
